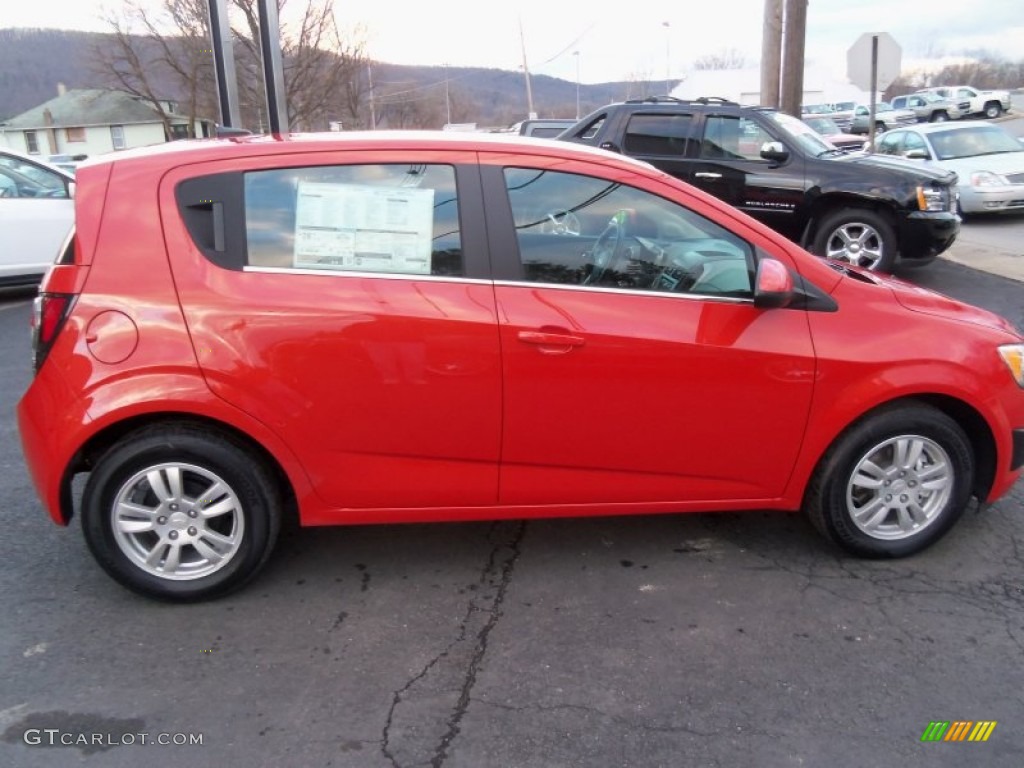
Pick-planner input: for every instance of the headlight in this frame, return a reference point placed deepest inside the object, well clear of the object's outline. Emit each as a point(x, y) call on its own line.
point(1013, 356)
point(933, 198)
point(986, 179)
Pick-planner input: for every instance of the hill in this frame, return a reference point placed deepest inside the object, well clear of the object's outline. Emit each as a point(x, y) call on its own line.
point(34, 61)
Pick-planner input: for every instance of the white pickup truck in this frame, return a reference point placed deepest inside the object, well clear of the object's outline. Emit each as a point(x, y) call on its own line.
point(991, 104)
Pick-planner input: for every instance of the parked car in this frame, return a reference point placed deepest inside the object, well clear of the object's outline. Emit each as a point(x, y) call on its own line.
point(988, 161)
point(840, 113)
point(974, 102)
point(826, 127)
point(930, 107)
point(543, 128)
point(385, 327)
point(885, 118)
point(872, 212)
point(36, 214)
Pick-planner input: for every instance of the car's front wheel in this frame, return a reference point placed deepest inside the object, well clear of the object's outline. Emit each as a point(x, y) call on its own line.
point(181, 513)
point(857, 236)
point(993, 110)
point(940, 117)
point(893, 483)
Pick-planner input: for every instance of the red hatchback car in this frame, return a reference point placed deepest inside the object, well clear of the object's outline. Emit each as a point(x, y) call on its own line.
point(378, 328)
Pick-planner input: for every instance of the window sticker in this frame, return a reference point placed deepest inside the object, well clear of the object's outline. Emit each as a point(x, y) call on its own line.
point(363, 228)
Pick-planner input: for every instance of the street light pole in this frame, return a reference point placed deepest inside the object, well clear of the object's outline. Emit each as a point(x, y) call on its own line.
point(577, 55)
point(668, 58)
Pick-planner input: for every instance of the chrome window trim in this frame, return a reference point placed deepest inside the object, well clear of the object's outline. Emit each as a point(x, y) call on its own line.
point(630, 291)
point(366, 273)
point(496, 283)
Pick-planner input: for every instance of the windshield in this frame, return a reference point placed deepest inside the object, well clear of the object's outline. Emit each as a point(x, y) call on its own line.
point(971, 142)
point(826, 126)
point(801, 133)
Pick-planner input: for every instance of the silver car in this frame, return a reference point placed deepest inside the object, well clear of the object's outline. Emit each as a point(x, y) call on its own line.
point(36, 214)
point(988, 160)
point(885, 118)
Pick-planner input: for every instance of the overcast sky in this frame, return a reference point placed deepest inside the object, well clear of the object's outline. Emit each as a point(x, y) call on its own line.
point(621, 41)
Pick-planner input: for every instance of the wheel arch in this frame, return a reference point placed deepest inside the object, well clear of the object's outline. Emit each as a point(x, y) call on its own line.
point(968, 418)
point(97, 444)
point(827, 203)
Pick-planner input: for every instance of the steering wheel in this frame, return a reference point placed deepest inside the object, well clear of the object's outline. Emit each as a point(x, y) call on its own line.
point(560, 222)
point(607, 249)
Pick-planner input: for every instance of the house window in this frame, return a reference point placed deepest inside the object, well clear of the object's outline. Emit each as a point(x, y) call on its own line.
point(117, 136)
point(31, 143)
point(74, 134)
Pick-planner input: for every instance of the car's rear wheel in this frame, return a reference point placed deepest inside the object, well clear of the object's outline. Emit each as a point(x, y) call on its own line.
point(993, 110)
point(181, 513)
point(894, 483)
point(857, 236)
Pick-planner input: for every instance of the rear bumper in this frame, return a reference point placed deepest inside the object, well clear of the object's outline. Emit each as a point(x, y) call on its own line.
point(49, 419)
point(924, 235)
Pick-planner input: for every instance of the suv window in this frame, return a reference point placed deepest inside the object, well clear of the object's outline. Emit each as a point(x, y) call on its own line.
point(732, 138)
point(657, 134)
point(579, 230)
point(890, 143)
point(397, 218)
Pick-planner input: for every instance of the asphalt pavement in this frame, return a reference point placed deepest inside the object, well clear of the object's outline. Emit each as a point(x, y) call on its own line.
point(711, 641)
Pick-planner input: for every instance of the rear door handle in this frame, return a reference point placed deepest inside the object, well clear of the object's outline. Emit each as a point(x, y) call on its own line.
point(707, 175)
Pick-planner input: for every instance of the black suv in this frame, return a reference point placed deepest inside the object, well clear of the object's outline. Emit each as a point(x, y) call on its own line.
point(867, 210)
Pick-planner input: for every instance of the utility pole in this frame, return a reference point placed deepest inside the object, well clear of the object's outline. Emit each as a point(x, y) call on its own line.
point(373, 109)
point(795, 23)
point(577, 55)
point(526, 72)
point(771, 54)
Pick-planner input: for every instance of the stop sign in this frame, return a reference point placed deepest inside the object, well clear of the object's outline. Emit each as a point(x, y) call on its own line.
point(858, 61)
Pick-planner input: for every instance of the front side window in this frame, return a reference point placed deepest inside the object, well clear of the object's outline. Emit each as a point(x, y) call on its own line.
point(890, 145)
point(387, 218)
point(727, 137)
point(585, 231)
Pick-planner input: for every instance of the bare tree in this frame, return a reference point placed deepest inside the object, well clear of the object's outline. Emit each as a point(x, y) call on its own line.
point(727, 58)
point(153, 51)
point(155, 66)
point(324, 71)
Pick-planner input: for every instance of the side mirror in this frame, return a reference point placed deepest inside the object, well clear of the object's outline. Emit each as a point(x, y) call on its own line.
point(775, 151)
point(773, 285)
point(916, 154)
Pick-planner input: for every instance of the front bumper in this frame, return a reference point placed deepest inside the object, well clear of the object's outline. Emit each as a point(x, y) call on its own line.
point(924, 235)
point(1017, 454)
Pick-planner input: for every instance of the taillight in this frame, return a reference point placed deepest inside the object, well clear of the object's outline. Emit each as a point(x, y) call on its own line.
point(49, 311)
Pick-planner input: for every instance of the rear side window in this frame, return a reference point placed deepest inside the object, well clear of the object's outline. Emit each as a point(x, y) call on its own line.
point(386, 218)
point(657, 134)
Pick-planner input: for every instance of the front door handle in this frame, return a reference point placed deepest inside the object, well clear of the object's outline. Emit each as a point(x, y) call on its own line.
point(707, 175)
point(551, 343)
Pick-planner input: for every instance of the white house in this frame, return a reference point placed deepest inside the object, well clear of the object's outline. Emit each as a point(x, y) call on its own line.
point(92, 122)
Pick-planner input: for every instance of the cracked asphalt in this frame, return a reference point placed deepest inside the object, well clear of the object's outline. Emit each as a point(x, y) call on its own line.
point(736, 639)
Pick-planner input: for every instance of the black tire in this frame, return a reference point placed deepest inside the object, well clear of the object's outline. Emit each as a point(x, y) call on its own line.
point(993, 110)
point(209, 512)
point(940, 116)
point(880, 128)
point(866, 447)
point(838, 230)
